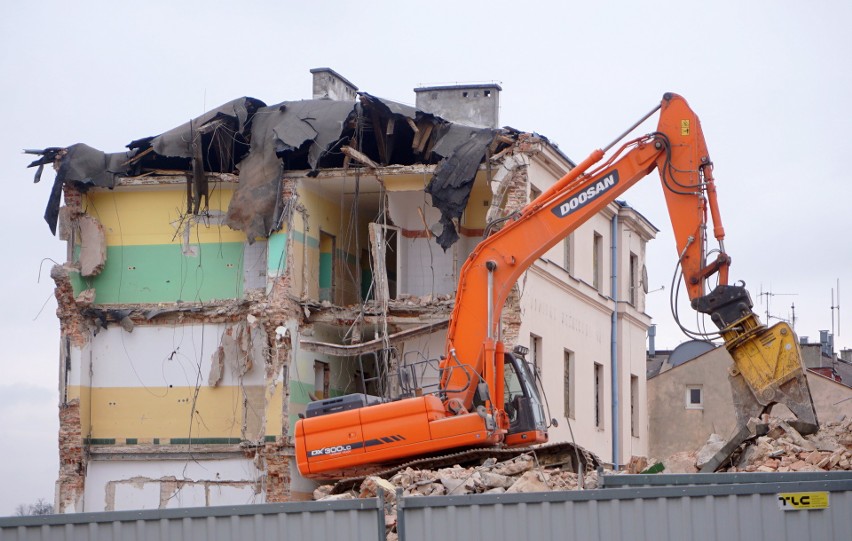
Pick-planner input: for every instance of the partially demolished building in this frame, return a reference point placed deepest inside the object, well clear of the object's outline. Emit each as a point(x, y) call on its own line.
point(225, 273)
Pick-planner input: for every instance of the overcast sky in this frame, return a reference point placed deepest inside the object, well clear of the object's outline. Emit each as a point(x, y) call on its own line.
point(770, 81)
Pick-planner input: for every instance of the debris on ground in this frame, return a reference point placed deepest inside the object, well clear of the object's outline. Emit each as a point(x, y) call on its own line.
point(781, 449)
point(519, 474)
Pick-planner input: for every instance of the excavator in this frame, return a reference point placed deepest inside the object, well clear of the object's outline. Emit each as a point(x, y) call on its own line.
point(472, 407)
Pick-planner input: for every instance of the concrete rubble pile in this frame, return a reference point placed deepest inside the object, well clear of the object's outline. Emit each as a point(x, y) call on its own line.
point(781, 449)
point(519, 474)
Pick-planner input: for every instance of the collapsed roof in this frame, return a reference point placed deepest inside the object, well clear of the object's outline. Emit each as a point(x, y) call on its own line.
point(260, 143)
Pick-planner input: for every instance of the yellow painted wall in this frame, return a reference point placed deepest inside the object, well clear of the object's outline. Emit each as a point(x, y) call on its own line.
point(152, 216)
point(274, 405)
point(162, 412)
point(476, 210)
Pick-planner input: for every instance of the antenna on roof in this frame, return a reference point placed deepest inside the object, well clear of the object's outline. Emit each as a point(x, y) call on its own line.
point(793, 316)
point(766, 296)
point(835, 306)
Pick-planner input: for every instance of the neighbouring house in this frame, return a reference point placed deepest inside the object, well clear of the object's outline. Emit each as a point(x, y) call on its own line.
point(225, 273)
point(690, 399)
point(820, 357)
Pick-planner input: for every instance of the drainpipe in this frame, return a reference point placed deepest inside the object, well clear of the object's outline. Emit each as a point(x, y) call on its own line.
point(614, 345)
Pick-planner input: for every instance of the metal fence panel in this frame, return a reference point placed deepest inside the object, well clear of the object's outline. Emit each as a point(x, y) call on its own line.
point(666, 508)
point(727, 507)
point(355, 520)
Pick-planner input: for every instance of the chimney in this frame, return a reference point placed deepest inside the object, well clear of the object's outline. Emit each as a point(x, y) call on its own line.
point(826, 342)
point(846, 355)
point(330, 85)
point(652, 336)
point(475, 105)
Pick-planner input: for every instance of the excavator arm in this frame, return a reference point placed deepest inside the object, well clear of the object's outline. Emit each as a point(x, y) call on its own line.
point(768, 367)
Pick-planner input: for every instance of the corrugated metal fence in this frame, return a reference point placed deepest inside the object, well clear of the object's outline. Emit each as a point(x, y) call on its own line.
point(355, 520)
point(725, 507)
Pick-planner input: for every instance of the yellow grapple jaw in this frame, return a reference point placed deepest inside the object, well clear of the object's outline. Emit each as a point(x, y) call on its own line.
point(767, 369)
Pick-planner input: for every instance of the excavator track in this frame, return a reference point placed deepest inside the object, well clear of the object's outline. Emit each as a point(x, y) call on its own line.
point(551, 454)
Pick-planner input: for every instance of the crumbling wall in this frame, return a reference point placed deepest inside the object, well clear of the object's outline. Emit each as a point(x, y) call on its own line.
point(158, 377)
point(172, 482)
point(72, 460)
point(187, 345)
point(511, 194)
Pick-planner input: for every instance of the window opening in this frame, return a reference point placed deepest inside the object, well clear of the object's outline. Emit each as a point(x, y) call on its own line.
point(694, 397)
point(322, 380)
point(599, 396)
point(597, 262)
point(569, 384)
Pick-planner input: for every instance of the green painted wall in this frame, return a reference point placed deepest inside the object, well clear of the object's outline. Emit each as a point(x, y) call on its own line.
point(325, 270)
point(276, 261)
point(162, 273)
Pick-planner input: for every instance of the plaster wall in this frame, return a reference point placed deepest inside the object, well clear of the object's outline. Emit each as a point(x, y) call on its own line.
point(146, 384)
point(425, 268)
point(474, 105)
point(632, 329)
point(301, 382)
point(565, 320)
point(155, 253)
point(164, 484)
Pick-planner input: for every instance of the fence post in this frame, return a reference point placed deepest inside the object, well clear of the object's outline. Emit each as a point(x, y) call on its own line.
point(400, 515)
point(380, 511)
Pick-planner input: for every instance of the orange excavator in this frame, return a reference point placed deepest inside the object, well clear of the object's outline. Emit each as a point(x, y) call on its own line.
point(471, 408)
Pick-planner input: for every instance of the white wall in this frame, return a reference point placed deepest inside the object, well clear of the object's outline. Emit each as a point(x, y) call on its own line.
point(159, 356)
point(164, 484)
point(566, 320)
point(567, 312)
point(424, 267)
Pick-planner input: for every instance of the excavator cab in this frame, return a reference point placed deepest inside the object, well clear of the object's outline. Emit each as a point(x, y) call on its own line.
point(522, 403)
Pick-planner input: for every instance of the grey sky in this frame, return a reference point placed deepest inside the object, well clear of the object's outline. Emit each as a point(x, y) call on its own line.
point(770, 81)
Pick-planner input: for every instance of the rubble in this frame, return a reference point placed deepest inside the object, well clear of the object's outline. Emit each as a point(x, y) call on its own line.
point(781, 449)
point(516, 475)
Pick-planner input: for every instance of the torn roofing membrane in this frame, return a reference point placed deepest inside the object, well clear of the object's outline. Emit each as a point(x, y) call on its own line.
point(260, 143)
point(453, 180)
point(280, 132)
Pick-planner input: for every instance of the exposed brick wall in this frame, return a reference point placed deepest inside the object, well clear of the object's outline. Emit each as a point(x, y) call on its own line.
point(71, 322)
point(277, 464)
point(281, 309)
point(72, 459)
point(516, 199)
point(73, 198)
